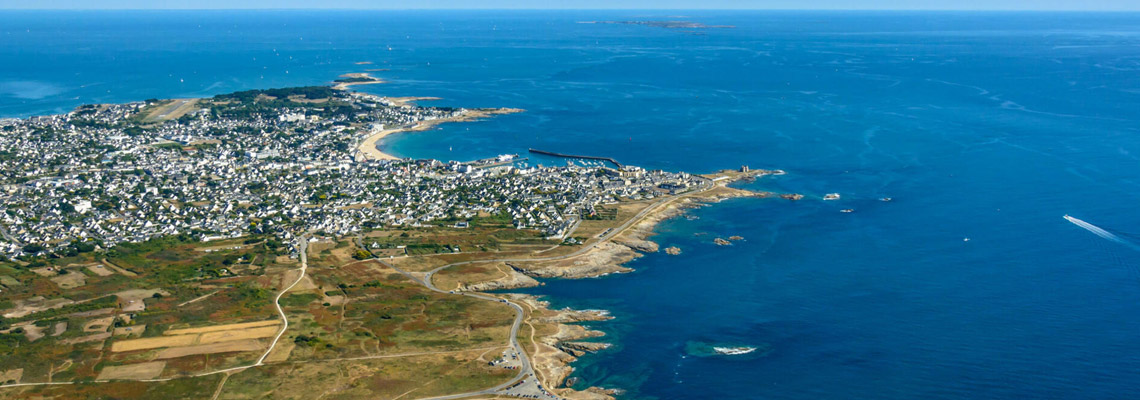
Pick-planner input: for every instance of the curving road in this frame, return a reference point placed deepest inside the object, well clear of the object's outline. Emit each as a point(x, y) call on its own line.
point(303, 249)
point(526, 372)
point(302, 246)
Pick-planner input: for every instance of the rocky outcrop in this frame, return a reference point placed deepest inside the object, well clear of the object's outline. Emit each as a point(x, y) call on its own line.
point(567, 315)
point(562, 345)
point(577, 349)
point(637, 244)
point(603, 259)
point(607, 393)
point(514, 280)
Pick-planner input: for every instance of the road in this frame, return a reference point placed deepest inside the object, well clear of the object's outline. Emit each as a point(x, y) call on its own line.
point(526, 372)
point(302, 246)
point(303, 249)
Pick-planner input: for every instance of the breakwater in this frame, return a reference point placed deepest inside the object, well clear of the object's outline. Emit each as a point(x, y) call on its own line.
point(550, 153)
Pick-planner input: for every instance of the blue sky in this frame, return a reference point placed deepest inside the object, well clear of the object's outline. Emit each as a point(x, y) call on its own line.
point(1085, 5)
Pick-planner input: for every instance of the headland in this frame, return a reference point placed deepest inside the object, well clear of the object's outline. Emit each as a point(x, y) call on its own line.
point(275, 254)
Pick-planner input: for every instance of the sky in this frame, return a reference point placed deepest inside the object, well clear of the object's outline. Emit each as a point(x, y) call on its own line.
point(1040, 5)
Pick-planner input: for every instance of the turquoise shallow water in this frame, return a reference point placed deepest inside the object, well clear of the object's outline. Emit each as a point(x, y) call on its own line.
point(989, 126)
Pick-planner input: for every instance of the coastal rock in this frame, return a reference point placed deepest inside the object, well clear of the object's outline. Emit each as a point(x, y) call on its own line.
point(792, 196)
point(568, 333)
point(636, 236)
point(570, 316)
point(514, 280)
point(580, 348)
point(604, 259)
point(560, 343)
point(735, 238)
point(641, 245)
point(609, 393)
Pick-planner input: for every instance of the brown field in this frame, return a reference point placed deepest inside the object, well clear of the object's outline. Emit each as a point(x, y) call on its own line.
point(171, 110)
point(12, 375)
point(44, 271)
point(100, 269)
point(35, 304)
point(130, 331)
point(88, 339)
point(216, 328)
point(33, 332)
point(153, 343)
point(147, 370)
point(408, 377)
point(202, 336)
point(9, 281)
point(463, 275)
point(70, 280)
point(227, 336)
point(119, 269)
point(214, 348)
point(187, 388)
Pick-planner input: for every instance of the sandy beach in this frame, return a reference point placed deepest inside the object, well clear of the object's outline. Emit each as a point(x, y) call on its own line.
point(359, 78)
point(368, 148)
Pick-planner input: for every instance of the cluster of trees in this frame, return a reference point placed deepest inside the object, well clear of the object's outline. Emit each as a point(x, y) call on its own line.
point(309, 341)
point(356, 79)
point(308, 92)
point(362, 255)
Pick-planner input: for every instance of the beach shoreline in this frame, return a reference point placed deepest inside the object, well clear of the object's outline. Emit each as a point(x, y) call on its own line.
point(346, 81)
point(368, 147)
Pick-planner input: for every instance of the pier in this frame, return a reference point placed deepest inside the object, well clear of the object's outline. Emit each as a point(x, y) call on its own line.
point(550, 153)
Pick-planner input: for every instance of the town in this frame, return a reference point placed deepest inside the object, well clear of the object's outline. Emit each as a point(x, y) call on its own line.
point(280, 162)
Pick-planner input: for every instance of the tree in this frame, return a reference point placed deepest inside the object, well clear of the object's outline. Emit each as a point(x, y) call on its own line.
point(362, 255)
point(33, 248)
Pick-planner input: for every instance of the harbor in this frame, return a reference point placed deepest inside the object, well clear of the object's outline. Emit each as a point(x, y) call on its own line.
point(553, 154)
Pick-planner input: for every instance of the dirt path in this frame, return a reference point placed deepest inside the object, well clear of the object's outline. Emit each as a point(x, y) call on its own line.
point(119, 269)
point(218, 391)
point(194, 300)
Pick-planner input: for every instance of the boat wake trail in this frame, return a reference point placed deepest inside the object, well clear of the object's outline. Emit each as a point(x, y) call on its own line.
point(1096, 230)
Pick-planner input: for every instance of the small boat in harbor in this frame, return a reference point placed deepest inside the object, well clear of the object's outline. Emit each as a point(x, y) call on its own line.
point(847, 210)
point(885, 199)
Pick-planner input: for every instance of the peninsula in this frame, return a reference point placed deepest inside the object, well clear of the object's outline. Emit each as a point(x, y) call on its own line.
point(250, 245)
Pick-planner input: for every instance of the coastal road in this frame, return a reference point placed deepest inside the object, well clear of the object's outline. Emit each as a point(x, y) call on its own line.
point(604, 238)
point(526, 376)
point(526, 372)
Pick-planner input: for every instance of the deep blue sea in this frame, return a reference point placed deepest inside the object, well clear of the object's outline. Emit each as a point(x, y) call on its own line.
point(987, 126)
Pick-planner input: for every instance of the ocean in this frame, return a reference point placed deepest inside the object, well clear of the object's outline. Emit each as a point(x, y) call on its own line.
point(981, 126)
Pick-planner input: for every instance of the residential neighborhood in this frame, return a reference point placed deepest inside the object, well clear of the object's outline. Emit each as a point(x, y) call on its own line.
point(278, 161)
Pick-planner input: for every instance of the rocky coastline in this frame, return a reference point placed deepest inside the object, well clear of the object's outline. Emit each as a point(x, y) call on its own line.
point(559, 337)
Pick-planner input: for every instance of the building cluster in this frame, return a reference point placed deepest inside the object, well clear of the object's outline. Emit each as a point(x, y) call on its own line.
point(105, 174)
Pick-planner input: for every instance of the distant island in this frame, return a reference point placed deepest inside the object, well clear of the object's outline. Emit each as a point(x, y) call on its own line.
point(663, 24)
point(358, 78)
